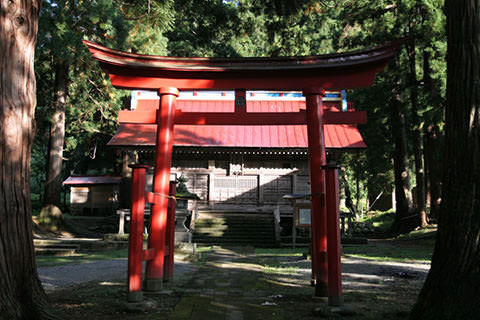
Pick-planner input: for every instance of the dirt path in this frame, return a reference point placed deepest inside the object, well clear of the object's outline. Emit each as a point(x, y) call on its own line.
point(62, 277)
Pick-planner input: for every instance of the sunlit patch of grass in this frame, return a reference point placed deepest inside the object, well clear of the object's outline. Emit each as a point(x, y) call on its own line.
point(204, 249)
point(380, 219)
point(281, 252)
point(428, 232)
point(397, 252)
point(279, 269)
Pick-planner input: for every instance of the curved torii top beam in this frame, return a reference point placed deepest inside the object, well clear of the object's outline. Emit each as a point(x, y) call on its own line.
point(334, 71)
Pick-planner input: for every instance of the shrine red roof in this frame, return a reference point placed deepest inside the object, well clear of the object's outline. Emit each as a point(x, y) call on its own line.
point(338, 136)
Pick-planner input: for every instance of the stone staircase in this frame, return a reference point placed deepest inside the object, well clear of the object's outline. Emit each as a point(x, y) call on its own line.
point(55, 248)
point(67, 247)
point(235, 228)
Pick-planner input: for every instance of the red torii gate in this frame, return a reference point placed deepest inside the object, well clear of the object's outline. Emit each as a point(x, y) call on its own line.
point(311, 75)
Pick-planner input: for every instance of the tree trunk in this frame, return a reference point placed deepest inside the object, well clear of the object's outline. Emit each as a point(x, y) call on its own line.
point(433, 140)
point(417, 138)
point(53, 184)
point(358, 207)
point(452, 288)
point(405, 219)
point(433, 162)
point(21, 293)
point(348, 196)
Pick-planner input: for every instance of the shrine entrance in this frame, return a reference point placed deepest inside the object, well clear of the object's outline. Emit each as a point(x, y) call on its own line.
point(310, 75)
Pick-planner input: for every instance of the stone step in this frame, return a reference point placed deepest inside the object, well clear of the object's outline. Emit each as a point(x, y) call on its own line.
point(239, 219)
point(55, 248)
point(235, 228)
point(230, 229)
point(235, 220)
point(234, 242)
point(225, 225)
point(239, 233)
point(83, 245)
point(201, 238)
point(55, 251)
point(232, 236)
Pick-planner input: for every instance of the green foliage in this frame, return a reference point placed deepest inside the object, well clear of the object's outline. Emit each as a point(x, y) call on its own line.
point(92, 103)
point(375, 23)
point(233, 29)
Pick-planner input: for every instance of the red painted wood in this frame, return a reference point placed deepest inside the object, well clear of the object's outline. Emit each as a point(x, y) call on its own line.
point(333, 238)
point(153, 197)
point(243, 118)
point(135, 244)
point(148, 254)
point(334, 81)
point(335, 71)
point(161, 181)
point(127, 116)
point(170, 235)
point(317, 158)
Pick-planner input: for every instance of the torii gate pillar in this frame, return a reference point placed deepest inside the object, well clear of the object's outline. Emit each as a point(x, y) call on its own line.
point(317, 159)
point(161, 180)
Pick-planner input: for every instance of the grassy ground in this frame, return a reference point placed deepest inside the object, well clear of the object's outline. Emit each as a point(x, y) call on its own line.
point(380, 219)
point(392, 251)
point(50, 261)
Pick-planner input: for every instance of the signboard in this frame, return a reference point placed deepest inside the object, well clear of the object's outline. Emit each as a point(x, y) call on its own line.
point(302, 215)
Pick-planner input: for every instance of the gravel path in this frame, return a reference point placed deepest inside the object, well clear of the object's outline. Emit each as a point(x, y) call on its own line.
point(353, 270)
point(60, 277)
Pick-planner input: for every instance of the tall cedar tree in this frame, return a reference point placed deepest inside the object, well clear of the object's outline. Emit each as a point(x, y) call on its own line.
point(452, 288)
point(53, 181)
point(21, 293)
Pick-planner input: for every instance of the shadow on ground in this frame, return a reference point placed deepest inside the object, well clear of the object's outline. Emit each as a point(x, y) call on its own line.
point(237, 283)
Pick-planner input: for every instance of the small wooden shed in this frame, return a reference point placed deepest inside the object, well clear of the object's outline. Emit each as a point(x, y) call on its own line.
point(93, 194)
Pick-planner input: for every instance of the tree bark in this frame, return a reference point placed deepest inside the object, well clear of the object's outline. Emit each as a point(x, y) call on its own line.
point(452, 287)
point(348, 195)
point(433, 140)
point(405, 219)
point(433, 163)
point(21, 293)
point(53, 184)
point(417, 138)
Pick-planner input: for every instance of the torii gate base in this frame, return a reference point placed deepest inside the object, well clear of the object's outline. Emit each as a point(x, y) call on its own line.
point(136, 253)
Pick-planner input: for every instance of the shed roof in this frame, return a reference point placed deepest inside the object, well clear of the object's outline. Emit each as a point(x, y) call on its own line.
point(91, 180)
point(338, 136)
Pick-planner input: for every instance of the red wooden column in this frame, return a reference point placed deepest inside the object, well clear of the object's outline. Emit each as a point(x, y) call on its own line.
point(135, 239)
point(170, 234)
point(334, 248)
point(161, 181)
point(317, 159)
